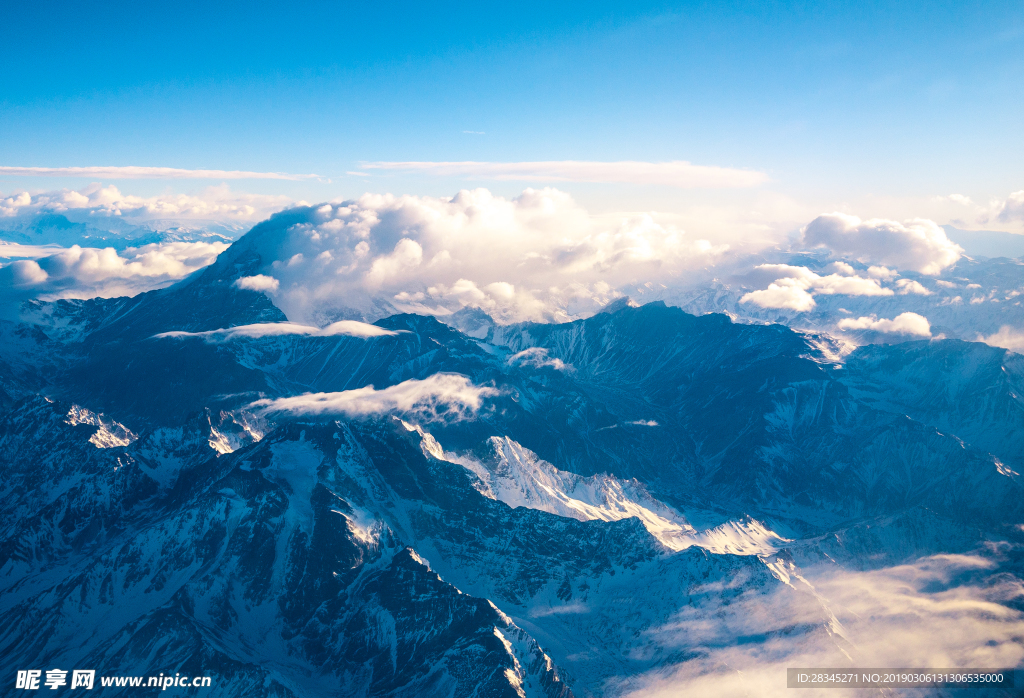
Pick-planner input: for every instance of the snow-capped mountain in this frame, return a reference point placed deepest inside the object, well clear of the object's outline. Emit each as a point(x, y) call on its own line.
point(193, 484)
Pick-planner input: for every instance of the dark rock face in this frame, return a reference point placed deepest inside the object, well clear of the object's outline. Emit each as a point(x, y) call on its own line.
point(623, 470)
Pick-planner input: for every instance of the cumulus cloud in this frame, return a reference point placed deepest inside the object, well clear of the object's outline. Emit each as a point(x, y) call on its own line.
point(85, 272)
point(676, 173)
point(133, 172)
point(97, 201)
point(904, 323)
point(784, 293)
point(347, 328)
point(1007, 337)
point(842, 268)
point(883, 273)
point(795, 289)
point(259, 282)
point(907, 286)
point(441, 397)
point(922, 614)
point(538, 256)
point(23, 273)
point(917, 244)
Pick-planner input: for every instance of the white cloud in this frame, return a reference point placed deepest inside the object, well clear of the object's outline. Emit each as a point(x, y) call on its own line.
point(676, 173)
point(782, 294)
point(538, 256)
point(348, 328)
point(1013, 207)
point(842, 268)
point(849, 286)
point(132, 172)
point(11, 205)
point(832, 284)
point(12, 250)
point(23, 273)
point(537, 357)
point(441, 397)
point(407, 255)
point(793, 289)
point(883, 273)
point(904, 323)
point(216, 203)
point(915, 615)
point(1007, 337)
point(87, 272)
point(907, 286)
point(259, 282)
point(916, 244)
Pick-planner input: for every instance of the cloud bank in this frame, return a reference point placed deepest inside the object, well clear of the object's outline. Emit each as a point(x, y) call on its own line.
point(919, 244)
point(538, 256)
point(441, 397)
point(97, 202)
point(84, 272)
point(92, 242)
point(132, 172)
point(922, 614)
point(677, 173)
point(347, 328)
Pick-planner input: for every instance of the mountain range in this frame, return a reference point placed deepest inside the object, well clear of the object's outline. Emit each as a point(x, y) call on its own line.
point(193, 484)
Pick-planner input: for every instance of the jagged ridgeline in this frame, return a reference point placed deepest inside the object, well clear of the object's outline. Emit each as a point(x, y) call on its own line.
point(192, 486)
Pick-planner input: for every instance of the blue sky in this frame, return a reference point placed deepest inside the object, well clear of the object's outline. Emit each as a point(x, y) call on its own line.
point(876, 108)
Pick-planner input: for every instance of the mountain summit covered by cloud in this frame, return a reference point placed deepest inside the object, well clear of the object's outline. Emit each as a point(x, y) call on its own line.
point(539, 256)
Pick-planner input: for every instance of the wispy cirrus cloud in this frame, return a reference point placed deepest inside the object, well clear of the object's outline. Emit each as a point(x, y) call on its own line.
point(347, 328)
point(676, 173)
point(135, 172)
